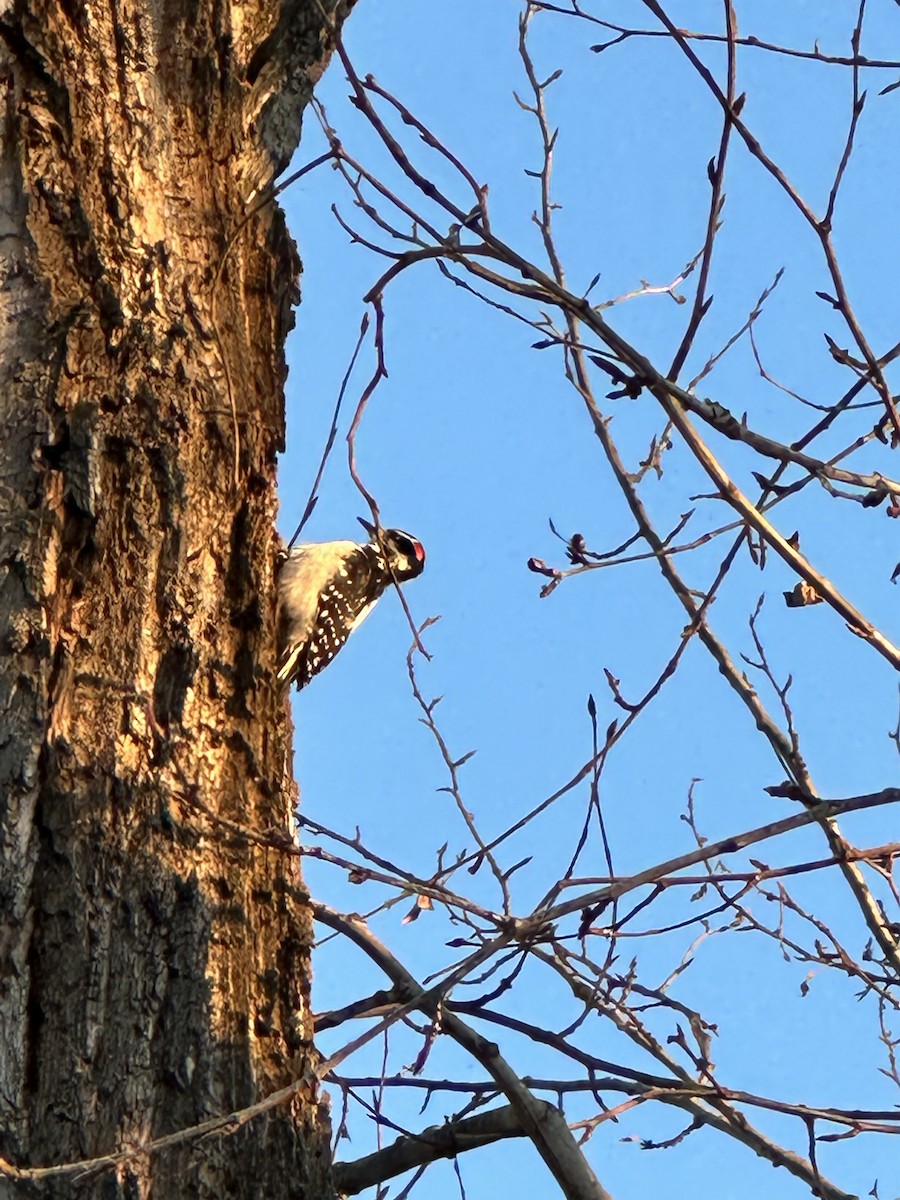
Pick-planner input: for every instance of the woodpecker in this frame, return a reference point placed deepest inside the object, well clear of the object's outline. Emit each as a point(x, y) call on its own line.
point(327, 589)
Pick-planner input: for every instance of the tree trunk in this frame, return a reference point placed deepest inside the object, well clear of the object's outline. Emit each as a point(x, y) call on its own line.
point(154, 962)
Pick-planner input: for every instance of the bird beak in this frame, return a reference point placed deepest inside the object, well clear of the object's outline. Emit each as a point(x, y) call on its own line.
point(369, 528)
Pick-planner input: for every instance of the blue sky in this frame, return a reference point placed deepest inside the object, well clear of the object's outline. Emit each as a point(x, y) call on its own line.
point(475, 440)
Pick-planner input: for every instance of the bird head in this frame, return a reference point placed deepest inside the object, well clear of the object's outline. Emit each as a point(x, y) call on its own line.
point(404, 554)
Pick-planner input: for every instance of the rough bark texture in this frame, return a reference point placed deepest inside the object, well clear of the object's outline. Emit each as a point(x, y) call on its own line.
point(154, 968)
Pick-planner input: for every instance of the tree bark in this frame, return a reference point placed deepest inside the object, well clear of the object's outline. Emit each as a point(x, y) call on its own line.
point(154, 967)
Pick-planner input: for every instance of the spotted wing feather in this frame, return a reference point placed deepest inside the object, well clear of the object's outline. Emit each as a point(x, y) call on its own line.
point(345, 599)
